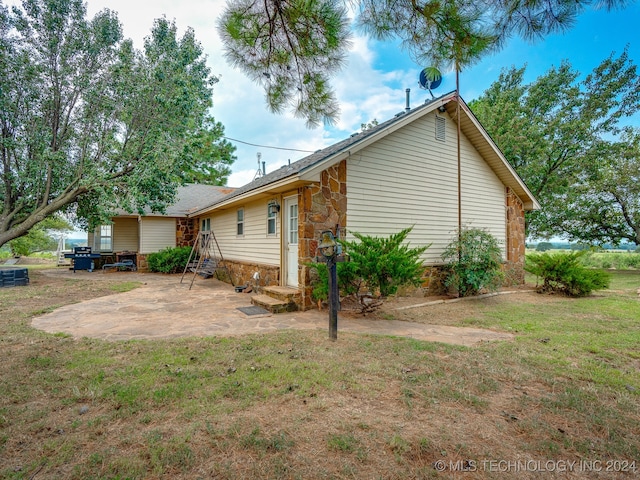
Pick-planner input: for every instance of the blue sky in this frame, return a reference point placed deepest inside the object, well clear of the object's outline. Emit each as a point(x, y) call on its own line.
point(374, 81)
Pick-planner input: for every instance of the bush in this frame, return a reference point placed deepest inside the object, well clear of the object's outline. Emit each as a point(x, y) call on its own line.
point(565, 273)
point(348, 280)
point(169, 260)
point(474, 262)
point(382, 264)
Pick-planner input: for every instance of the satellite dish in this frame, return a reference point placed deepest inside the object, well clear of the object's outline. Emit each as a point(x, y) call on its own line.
point(425, 74)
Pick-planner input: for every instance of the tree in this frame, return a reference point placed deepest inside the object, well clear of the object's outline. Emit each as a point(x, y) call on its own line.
point(605, 204)
point(41, 237)
point(369, 125)
point(544, 246)
point(291, 47)
point(88, 123)
point(209, 155)
point(552, 132)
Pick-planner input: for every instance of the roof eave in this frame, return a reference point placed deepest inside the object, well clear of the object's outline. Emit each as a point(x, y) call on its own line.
point(275, 188)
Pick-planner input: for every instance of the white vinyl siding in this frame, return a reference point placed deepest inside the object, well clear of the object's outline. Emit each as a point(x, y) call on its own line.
point(125, 234)
point(255, 246)
point(157, 233)
point(409, 178)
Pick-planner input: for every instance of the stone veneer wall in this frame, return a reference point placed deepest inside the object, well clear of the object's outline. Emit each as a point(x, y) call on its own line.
point(320, 207)
point(186, 231)
point(141, 262)
point(242, 274)
point(516, 240)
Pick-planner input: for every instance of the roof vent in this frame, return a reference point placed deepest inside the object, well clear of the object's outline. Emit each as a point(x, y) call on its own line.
point(440, 128)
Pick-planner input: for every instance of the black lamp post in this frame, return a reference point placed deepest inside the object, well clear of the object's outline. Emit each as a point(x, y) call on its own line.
point(328, 247)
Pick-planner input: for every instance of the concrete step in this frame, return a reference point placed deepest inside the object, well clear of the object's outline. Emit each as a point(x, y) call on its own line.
point(274, 305)
point(285, 294)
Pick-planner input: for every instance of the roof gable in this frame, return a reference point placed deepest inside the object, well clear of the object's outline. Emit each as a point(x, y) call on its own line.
point(309, 167)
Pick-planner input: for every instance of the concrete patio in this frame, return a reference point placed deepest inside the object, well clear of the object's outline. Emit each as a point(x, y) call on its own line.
point(164, 308)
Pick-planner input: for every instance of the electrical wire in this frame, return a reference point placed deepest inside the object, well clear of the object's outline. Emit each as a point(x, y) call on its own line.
point(267, 146)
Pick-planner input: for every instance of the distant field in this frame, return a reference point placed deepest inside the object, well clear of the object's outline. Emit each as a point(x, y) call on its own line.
point(608, 259)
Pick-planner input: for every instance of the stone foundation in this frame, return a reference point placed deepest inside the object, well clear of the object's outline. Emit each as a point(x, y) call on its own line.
point(242, 274)
point(141, 262)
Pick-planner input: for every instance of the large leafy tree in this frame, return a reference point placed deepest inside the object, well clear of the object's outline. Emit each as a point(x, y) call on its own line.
point(88, 123)
point(292, 47)
point(209, 156)
point(556, 132)
point(604, 205)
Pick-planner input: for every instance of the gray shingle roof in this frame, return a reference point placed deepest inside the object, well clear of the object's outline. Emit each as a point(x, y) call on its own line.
point(316, 157)
point(193, 197)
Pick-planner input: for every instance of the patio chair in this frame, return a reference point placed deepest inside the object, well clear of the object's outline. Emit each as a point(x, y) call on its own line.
point(123, 265)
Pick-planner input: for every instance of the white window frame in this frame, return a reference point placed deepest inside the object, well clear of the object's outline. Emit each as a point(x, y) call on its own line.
point(272, 219)
point(106, 234)
point(293, 224)
point(240, 220)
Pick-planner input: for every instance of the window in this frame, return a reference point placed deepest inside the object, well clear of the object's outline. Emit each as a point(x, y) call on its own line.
point(205, 226)
point(440, 128)
point(293, 223)
point(240, 222)
point(271, 220)
point(106, 238)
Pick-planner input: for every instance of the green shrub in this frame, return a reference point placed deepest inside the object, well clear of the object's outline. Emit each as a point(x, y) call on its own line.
point(382, 264)
point(474, 262)
point(348, 280)
point(169, 260)
point(564, 272)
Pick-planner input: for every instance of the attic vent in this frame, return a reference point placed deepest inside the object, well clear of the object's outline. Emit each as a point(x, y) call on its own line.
point(440, 128)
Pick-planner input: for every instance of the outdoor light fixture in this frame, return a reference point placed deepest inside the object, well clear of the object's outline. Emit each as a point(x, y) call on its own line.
point(328, 244)
point(274, 208)
point(442, 109)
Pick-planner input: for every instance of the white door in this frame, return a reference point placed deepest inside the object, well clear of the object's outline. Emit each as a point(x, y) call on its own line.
point(291, 241)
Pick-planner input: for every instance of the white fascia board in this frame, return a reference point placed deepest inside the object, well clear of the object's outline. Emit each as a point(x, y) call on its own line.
point(242, 198)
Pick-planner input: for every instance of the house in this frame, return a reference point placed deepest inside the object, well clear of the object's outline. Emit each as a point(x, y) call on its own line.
point(133, 236)
point(400, 173)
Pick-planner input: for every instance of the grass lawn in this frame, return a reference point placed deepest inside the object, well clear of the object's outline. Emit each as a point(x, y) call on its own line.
point(560, 401)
